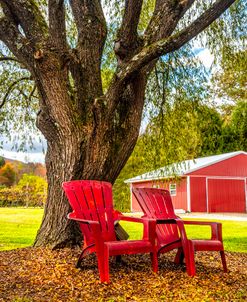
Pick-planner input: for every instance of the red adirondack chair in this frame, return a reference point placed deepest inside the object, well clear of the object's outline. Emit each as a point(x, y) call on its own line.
point(170, 231)
point(92, 205)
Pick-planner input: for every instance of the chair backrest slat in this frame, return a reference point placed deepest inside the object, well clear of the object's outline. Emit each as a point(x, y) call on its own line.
point(157, 203)
point(92, 200)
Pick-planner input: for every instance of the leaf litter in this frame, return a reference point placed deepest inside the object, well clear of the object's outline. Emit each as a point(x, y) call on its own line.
point(44, 275)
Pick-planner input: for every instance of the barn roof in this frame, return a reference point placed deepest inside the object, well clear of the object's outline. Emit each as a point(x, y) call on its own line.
point(183, 168)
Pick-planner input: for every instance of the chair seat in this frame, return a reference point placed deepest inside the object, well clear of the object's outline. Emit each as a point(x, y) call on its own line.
point(207, 245)
point(128, 247)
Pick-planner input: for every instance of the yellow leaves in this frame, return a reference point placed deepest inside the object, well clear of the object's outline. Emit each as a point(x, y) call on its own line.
point(30, 275)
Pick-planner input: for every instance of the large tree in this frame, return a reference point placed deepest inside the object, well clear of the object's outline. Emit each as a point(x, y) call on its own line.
point(91, 133)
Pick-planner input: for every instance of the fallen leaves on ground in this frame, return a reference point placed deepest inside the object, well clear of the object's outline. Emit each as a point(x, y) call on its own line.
point(38, 274)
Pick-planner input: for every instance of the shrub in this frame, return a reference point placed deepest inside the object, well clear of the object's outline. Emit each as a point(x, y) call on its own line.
point(30, 191)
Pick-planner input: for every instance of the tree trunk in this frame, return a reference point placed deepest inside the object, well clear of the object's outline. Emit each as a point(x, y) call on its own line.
point(56, 230)
point(96, 149)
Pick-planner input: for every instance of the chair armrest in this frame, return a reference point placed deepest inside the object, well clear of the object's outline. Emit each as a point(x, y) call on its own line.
point(149, 226)
point(216, 228)
point(130, 218)
point(149, 230)
point(116, 213)
point(95, 227)
point(72, 216)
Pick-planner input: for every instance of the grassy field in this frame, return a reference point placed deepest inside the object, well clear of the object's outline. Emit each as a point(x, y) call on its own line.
point(18, 227)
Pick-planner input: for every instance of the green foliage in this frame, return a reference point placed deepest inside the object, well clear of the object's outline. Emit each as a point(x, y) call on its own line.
point(22, 101)
point(228, 33)
point(2, 162)
point(30, 191)
point(231, 80)
point(172, 137)
point(239, 123)
point(35, 183)
point(209, 123)
point(146, 14)
point(235, 128)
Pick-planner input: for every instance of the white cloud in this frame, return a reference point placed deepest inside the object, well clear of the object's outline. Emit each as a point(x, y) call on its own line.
point(206, 57)
point(34, 154)
point(37, 157)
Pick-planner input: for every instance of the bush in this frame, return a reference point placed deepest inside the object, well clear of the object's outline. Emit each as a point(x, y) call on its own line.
point(30, 191)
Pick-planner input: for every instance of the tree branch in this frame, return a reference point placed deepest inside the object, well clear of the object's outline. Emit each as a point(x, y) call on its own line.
point(85, 68)
point(10, 88)
point(9, 59)
point(164, 46)
point(166, 15)
point(90, 22)
point(32, 93)
point(127, 38)
point(27, 14)
point(57, 26)
point(14, 40)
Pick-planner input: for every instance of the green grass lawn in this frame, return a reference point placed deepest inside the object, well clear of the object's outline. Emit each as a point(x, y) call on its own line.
point(18, 227)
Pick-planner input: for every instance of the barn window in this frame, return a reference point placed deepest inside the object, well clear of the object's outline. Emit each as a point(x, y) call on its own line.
point(173, 189)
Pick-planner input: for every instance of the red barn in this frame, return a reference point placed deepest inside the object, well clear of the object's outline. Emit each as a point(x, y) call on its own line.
point(208, 184)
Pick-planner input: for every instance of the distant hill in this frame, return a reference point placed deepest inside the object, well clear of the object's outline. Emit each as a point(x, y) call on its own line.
point(28, 168)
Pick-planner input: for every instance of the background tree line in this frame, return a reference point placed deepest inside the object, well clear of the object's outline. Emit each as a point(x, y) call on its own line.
point(22, 184)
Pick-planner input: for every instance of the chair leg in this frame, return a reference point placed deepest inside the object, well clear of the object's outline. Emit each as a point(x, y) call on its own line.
point(223, 259)
point(101, 266)
point(154, 259)
point(82, 255)
point(106, 265)
point(179, 256)
point(84, 252)
point(190, 259)
point(78, 264)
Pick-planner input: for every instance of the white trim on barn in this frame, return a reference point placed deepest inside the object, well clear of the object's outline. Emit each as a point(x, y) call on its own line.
point(245, 185)
point(131, 198)
point(188, 194)
point(207, 194)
